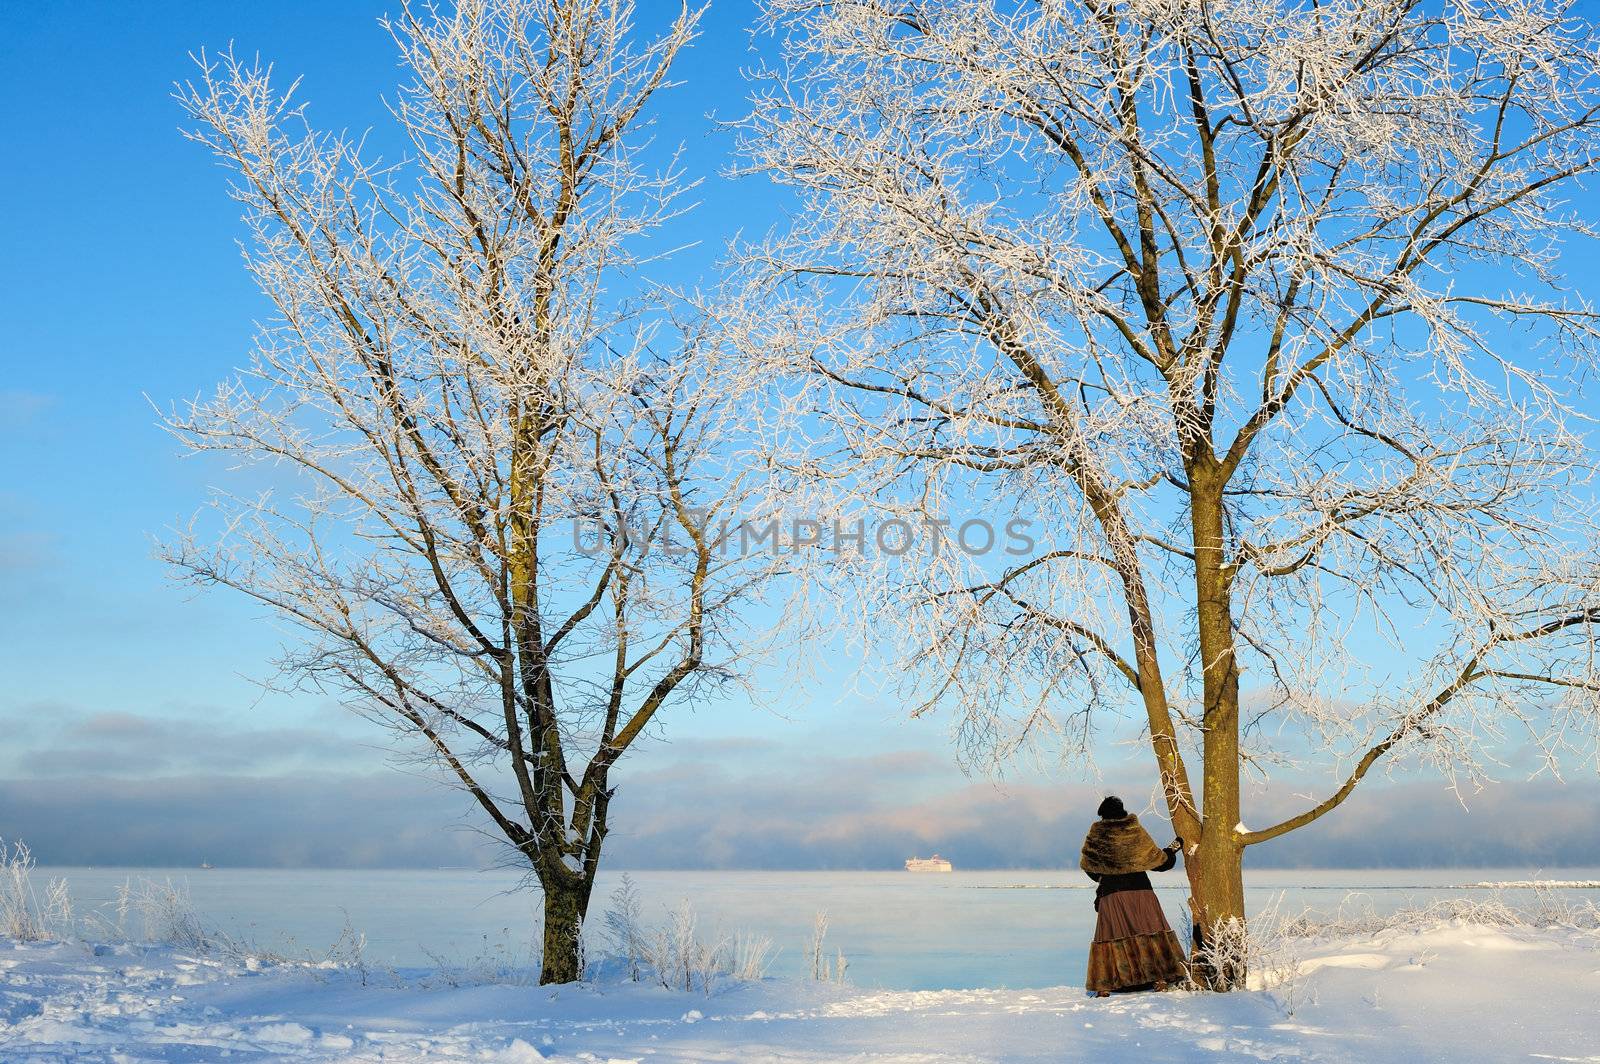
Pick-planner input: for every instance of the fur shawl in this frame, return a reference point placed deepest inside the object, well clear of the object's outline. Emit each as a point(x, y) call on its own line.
point(1118, 847)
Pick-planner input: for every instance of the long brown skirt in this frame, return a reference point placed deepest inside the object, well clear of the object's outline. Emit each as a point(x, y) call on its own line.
point(1133, 944)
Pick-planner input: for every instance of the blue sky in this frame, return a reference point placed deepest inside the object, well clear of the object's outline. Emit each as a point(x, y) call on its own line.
point(135, 730)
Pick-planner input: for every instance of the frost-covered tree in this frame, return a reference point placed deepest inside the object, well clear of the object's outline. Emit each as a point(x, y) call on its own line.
point(1252, 310)
point(502, 477)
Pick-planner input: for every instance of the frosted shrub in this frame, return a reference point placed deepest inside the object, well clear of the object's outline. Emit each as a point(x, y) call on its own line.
point(159, 914)
point(494, 963)
point(824, 969)
point(24, 916)
point(752, 956)
point(1356, 915)
point(1262, 952)
point(58, 907)
point(168, 917)
point(1550, 909)
point(675, 954)
point(1272, 959)
point(679, 957)
point(1271, 947)
point(349, 951)
point(623, 927)
point(1224, 959)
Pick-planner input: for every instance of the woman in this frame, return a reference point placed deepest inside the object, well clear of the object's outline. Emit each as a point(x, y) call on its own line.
point(1133, 948)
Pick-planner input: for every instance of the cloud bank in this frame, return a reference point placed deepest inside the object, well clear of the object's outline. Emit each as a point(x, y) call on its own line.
point(104, 788)
point(842, 813)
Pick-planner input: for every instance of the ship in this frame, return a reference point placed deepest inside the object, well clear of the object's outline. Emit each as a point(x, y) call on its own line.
point(928, 864)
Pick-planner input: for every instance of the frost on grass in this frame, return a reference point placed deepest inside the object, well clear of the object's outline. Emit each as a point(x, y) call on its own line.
point(824, 969)
point(1544, 909)
point(143, 910)
point(25, 914)
point(677, 954)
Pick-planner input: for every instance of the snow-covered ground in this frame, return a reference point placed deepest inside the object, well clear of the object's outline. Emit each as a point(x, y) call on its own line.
point(1451, 992)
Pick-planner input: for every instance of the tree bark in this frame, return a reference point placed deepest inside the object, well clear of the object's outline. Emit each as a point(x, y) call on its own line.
point(1217, 960)
point(1217, 903)
point(566, 903)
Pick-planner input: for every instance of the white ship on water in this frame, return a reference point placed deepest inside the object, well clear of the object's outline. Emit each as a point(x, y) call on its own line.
point(928, 864)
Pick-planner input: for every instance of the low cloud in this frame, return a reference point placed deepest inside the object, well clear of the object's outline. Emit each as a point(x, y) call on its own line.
point(1538, 824)
point(861, 817)
point(382, 820)
point(677, 810)
point(55, 739)
point(113, 787)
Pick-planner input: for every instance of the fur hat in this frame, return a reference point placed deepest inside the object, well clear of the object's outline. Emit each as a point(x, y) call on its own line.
point(1111, 808)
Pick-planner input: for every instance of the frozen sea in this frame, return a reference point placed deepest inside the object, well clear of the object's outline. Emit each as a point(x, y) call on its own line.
point(899, 930)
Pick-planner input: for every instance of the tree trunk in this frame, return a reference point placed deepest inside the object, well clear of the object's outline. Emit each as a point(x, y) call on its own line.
point(1218, 900)
point(1217, 958)
point(565, 905)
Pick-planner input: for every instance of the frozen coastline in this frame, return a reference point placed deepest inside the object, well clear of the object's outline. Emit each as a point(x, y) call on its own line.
point(1453, 991)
